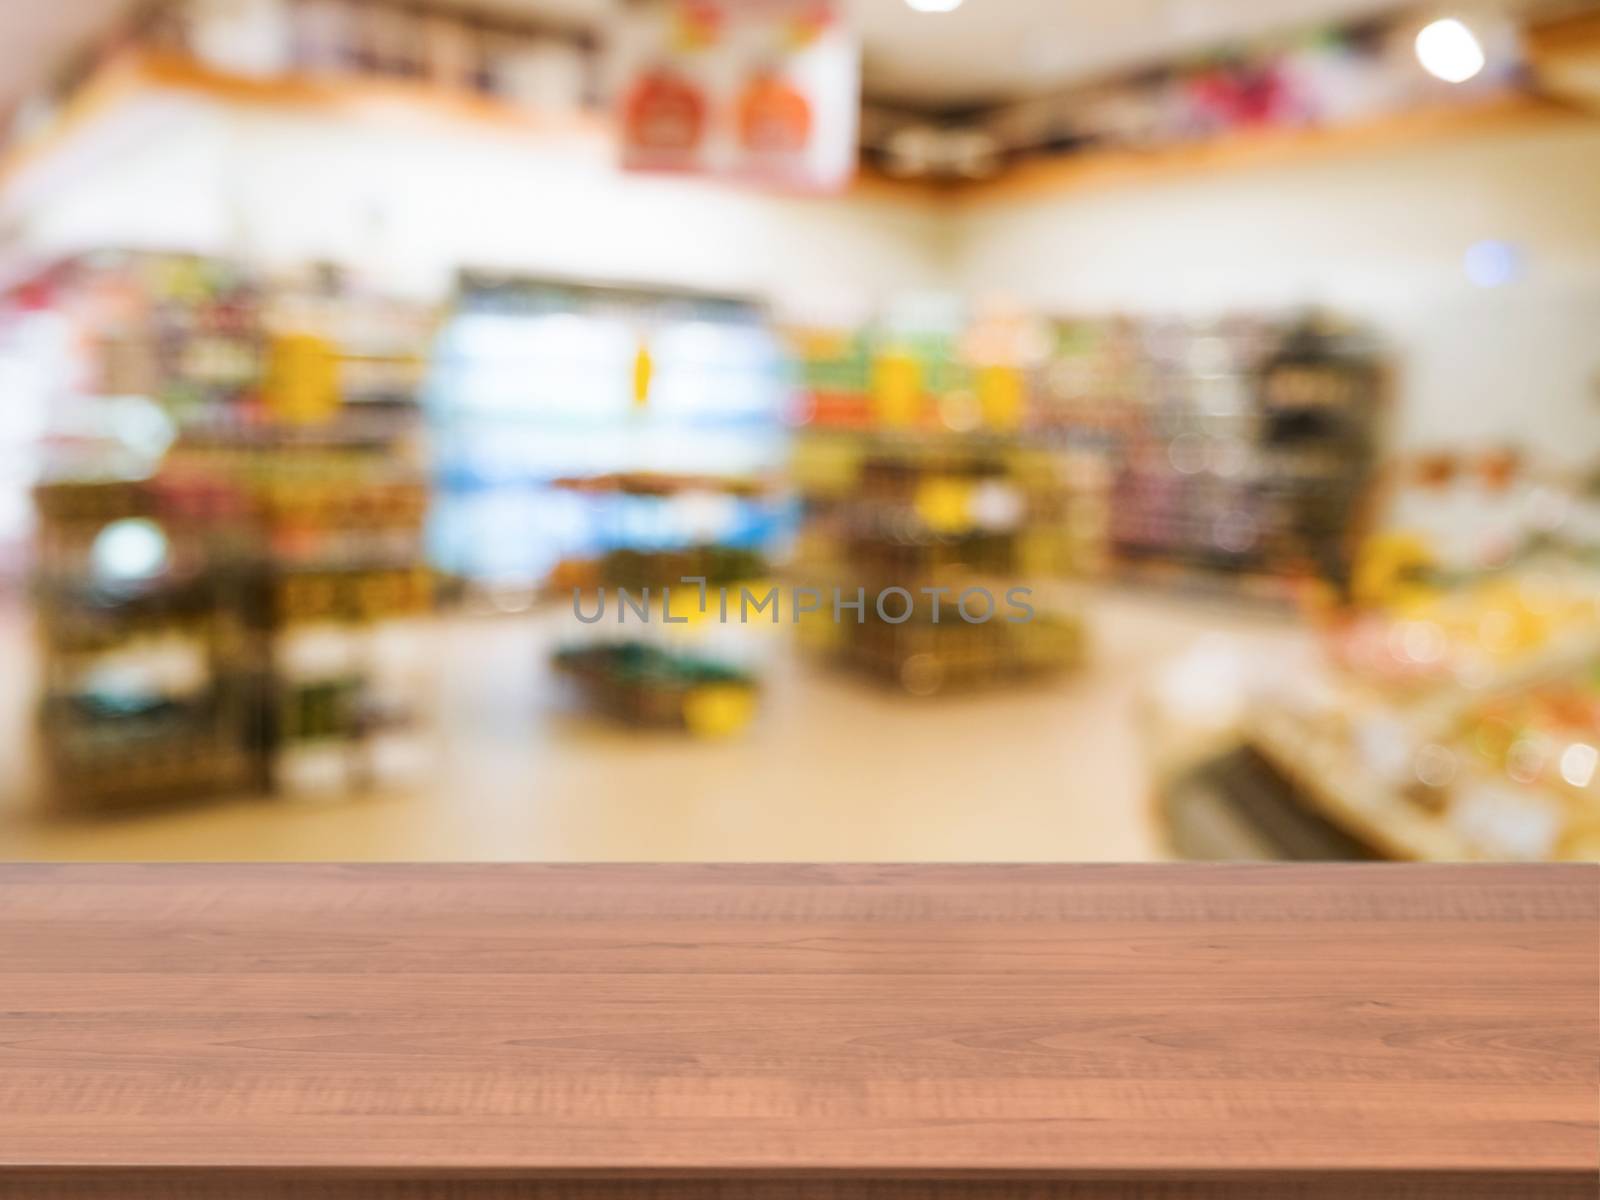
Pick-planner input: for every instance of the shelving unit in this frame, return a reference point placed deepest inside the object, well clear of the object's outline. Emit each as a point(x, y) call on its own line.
point(589, 419)
point(1565, 56)
point(137, 75)
point(276, 539)
point(1505, 113)
point(688, 675)
point(1471, 747)
point(1493, 817)
point(914, 474)
point(133, 91)
point(148, 684)
point(1237, 453)
point(630, 437)
point(1230, 456)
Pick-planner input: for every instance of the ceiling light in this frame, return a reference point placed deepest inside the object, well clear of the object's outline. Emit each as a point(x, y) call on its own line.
point(1450, 51)
point(1579, 764)
point(933, 6)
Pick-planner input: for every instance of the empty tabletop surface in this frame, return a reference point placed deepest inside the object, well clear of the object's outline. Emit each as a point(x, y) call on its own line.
point(499, 1021)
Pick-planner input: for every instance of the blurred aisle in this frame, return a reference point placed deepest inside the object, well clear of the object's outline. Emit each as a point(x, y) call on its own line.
point(834, 769)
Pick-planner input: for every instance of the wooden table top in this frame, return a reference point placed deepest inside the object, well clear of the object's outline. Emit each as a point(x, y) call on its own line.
point(1144, 1027)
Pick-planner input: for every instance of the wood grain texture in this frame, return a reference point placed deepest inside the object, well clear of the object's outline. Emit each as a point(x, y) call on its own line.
point(1340, 1186)
point(487, 1032)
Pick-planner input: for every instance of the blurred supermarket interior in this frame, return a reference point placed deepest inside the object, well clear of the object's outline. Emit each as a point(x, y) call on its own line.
point(1227, 370)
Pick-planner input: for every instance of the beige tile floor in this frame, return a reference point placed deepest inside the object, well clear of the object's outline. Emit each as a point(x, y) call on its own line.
point(834, 769)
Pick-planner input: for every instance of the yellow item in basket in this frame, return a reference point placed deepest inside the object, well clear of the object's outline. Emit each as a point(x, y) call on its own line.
point(718, 710)
point(945, 504)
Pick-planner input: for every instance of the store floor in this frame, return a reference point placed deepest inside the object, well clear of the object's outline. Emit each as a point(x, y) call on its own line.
point(834, 769)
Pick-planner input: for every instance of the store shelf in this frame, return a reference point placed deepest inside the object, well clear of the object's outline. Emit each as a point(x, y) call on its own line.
point(145, 74)
point(659, 484)
point(1327, 773)
point(1565, 57)
point(1512, 112)
point(1342, 790)
point(352, 96)
point(137, 74)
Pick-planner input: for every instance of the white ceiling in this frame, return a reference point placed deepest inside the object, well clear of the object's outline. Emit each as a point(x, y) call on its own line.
point(985, 49)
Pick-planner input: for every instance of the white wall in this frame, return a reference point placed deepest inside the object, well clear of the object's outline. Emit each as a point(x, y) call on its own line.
point(1381, 237)
point(414, 205)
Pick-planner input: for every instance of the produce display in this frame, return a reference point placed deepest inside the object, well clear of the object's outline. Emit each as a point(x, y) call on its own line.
point(1456, 726)
point(1445, 710)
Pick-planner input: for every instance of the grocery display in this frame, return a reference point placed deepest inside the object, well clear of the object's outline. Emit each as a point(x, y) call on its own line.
point(1234, 454)
point(915, 479)
point(653, 674)
point(550, 402)
point(561, 428)
point(631, 437)
point(223, 614)
point(1238, 452)
point(1456, 728)
point(147, 690)
point(1450, 714)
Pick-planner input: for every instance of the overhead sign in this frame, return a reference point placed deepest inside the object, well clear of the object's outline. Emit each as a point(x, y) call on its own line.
point(761, 90)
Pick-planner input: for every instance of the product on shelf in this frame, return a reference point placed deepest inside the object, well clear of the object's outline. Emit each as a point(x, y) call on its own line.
point(145, 692)
point(548, 452)
point(918, 470)
point(1321, 77)
point(1236, 452)
point(490, 52)
point(446, 54)
point(630, 436)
